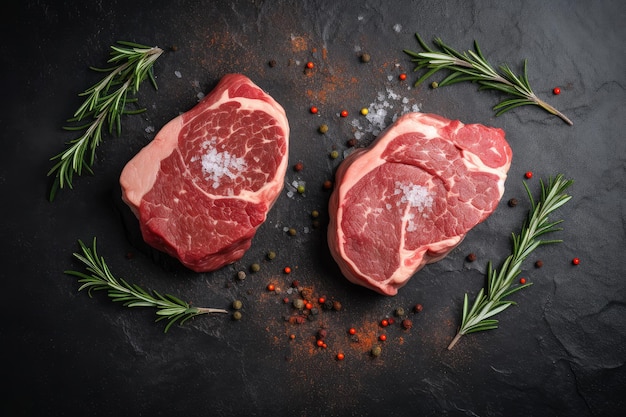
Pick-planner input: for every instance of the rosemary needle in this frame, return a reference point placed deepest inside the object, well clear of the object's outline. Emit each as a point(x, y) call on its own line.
point(105, 103)
point(472, 66)
point(491, 300)
point(99, 277)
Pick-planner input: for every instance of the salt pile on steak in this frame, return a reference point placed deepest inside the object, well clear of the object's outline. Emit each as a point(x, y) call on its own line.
point(411, 197)
point(205, 183)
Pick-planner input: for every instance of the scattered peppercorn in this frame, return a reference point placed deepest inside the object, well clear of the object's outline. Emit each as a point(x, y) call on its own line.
point(310, 65)
point(399, 312)
point(522, 281)
point(538, 264)
point(298, 167)
point(365, 58)
point(376, 351)
point(323, 129)
point(315, 214)
point(292, 231)
point(391, 320)
point(301, 189)
point(329, 304)
point(575, 261)
point(340, 356)
point(352, 331)
point(322, 333)
point(327, 185)
point(434, 84)
point(513, 202)
point(255, 267)
point(384, 322)
point(352, 142)
point(272, 63)
point(321, 300)
point(314, 110)
point(271, 287)
point(336, 305)
point(298, 303)
point(402, 76)
point(237, 304)
point(241, 275)
point(406, 324)
point(237, 315)
point(418, 308)
point(308, 306)
point(344, 113)
point(292, 336)
point(471, 257)
point(556, 91)
point(528, 174)
point(334, 155)
point(364, 111)
point(287, 270)
point(319, 342)
point(382, 337)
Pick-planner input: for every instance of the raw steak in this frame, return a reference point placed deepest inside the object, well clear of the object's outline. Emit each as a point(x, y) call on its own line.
point(411, 197)
point(205, 183)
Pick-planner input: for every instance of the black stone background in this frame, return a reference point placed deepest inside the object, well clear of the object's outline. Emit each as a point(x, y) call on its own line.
point(558, 352)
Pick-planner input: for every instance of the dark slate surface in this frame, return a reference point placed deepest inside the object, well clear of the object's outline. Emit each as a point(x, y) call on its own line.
point(559, 352)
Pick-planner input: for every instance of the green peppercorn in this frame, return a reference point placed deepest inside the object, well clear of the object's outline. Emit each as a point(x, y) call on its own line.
point(298, 303)
point(334, 154)
point(237, 315)
point(301, 189)
point(399, 312)
point(376, 351)
point(241, 275)
point(237, 304)
point(434, 84)
point(271, 255)
point(292, 231)
point(315, 214)
point(323, 129)
point(255, 267)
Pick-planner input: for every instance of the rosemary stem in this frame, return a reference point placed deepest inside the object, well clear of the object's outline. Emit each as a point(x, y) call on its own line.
point(551, 110)
point(455, 340)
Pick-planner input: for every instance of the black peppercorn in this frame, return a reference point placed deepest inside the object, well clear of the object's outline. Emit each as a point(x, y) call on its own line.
point(513, 202)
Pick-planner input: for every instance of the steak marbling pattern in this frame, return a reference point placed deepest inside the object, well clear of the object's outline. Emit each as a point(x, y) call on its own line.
point(411, 197)
point(206, 182)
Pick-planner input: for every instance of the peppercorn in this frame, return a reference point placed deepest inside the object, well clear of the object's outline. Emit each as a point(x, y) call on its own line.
point(329, 304)
point(315, 224)
point(382, 337)
point(237, 304)
point(336, 305)
point(314, 110)
point(434, 84)
point(241, 275)
point(295, 283)
point(365, 58)
point(322, 333)
point(237, 315)
point(315, 214)
point(321, 300)
point(575, 261)
point(298, 167)
point(352, 331)
point(399, 312)
point(539, 264)
point(513, 202)
point(292, 231)
point(292, 336)
point(556, 91)
point(376, 351)
point(522, 281)
point(306, 293)
point(340, 356)
point(364, 111)
point(327, 185)
point(384, 322)
point(352, 142)
point(418, 308)
point(271, 287)
point(308, 306)
point(406, 324)
point(334, 155)
point(255, 267)
point(310, 65)
point(528, 174)
point(287, 270)
point(319, 342)
point(471, 257)
point(344, 113)
point(402, 76)
point(301, 189)
point(298, 303)
point(323, 129)
point(272, 63)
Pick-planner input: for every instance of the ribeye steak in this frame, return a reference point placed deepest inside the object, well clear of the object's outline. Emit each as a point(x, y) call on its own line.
point(411, 197)
point(206, 182)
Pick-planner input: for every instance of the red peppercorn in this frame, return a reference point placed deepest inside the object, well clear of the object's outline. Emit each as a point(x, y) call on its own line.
point(310, 65)
point(340, 356)
point(298, 167)
point(320, 342)
point(287, 270)
point(528, 174)
point(321, 300)
point(308, 306)
point(352, 330)
point(402, 76)
point(271, 287)
point(390, 320)
point(384, 323)
point(314, 110)
point(575, 261)
point(407, 324)
point(328, 184)
point(344, 113)
point(382, 337)
point(556, 91)
point(522, 281)
point(418, 308)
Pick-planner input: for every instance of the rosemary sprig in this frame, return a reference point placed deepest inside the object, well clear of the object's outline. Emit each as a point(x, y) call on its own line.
point(102, 109)
point(99, 277)
point(491, 300)
point(472, 66)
